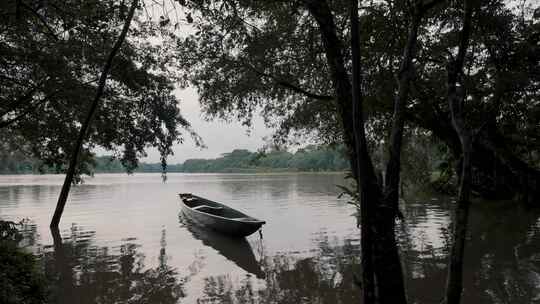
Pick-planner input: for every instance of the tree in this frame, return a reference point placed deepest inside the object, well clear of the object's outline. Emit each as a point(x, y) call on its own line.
point(457, 95)
point(378, 210)
point(51, 54)
point(502, 88)
point(249, 61)
point(271, 58)
point(83, 133)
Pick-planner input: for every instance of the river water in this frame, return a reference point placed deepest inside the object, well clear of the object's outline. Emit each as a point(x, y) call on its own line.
point(122, 240)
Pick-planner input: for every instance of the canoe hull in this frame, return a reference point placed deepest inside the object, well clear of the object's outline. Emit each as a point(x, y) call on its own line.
point(230, 227)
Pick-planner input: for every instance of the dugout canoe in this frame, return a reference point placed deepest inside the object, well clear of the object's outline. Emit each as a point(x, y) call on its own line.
point(218, 217)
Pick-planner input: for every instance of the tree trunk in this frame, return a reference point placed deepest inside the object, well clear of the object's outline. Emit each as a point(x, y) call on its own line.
point(387, 261)
point(73, 163)
point(368, 278)
point(405, 75)
point(456, 98)
point(63, 267)
point(454, 283)
point(380, 255)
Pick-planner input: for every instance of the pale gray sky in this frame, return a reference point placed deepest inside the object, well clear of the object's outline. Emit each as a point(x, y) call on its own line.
point(219, 136)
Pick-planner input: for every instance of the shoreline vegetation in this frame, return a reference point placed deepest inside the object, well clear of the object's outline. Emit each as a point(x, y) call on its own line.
point(306, 160)
point(21, 278)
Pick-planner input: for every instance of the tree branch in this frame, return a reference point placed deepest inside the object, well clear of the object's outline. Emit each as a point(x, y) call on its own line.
point(41, 19)
point(29, 109)
point(289, 85)
point(425, 6)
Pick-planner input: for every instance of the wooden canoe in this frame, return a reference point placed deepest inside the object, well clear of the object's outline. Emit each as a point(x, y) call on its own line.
point(218, 217)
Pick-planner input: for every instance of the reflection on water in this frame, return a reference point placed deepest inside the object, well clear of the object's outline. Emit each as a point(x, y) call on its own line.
point(122, 241)
point(81, 272)
point(234, 249)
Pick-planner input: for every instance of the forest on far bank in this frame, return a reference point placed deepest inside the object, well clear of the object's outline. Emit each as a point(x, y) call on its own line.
point(310, 158)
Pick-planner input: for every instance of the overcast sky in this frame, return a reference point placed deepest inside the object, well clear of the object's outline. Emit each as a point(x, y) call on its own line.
point(219, 137)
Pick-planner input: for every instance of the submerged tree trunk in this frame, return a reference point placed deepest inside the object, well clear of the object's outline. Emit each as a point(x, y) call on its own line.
point(354, 132)
point(382, 274)
point(73, 163)
point(63, 268)
point(387, 260)
point(368, 277)
point(456, 98)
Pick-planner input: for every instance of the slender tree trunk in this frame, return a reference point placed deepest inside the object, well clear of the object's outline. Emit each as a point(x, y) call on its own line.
point(454, 283)
point(456, 98)
point(73, 163)
point(368, 277)
point(405, 75)
point(387, 259)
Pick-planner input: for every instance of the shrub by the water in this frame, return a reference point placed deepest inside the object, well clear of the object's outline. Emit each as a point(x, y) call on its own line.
point(20, 279)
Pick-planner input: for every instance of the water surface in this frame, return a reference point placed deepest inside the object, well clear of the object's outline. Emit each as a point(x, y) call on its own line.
point(122, 240)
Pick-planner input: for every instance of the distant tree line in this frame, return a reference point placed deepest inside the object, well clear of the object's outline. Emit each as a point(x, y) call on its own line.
point(310, 158)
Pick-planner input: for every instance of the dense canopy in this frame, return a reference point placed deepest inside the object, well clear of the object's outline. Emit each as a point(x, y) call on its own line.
point(51, 55)
point(250, 56)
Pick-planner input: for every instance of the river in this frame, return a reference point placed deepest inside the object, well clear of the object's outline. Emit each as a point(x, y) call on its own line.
point(122, 240)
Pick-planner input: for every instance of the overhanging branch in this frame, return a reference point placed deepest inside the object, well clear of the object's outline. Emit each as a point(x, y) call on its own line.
point(289, 85)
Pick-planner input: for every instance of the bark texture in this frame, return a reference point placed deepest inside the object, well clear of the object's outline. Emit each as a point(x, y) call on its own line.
point(88, 121)
point(361, 165)
point(382, 274)
point(456, 98)
point(368, 278)
point(405, 75)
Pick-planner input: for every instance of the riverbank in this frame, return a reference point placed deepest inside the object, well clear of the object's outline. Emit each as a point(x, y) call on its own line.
point(309, 159)
point(228, 171)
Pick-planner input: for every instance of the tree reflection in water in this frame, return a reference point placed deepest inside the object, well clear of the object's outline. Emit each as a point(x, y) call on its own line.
point(81, 272)
point(325, 278)
point(502, 264)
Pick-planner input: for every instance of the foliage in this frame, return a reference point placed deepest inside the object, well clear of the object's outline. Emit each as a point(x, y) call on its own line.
point(250, 56)
point(20, 278)
point(15, 162)
point(311, 158)
point(241, 51)
point(351, 191)
point(51, 54)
